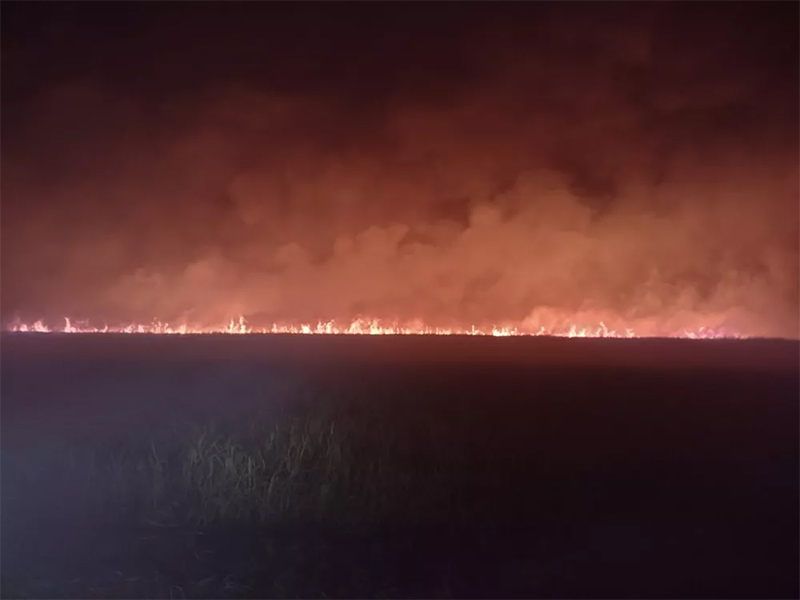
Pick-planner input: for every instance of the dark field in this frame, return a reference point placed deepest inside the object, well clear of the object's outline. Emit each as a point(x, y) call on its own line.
point(252, 466)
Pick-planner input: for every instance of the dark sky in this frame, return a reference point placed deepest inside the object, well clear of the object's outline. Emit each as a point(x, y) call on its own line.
point(451, 162)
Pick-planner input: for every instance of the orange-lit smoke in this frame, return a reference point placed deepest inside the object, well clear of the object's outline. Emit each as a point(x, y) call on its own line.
point(645, 190)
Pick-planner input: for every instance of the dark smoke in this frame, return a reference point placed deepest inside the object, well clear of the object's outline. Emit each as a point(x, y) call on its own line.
point(634, 162)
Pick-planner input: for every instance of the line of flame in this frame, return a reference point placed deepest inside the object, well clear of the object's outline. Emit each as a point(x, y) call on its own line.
point(360, 327)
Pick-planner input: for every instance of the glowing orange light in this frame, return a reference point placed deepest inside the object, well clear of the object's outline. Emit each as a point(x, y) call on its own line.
point(363, 326)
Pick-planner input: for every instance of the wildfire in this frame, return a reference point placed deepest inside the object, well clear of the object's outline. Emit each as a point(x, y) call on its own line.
point(368, 327)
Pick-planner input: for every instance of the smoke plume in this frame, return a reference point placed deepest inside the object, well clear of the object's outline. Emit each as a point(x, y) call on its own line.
point(640, 171)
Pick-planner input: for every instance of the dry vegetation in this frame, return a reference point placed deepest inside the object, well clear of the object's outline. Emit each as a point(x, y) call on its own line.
point(423, 483)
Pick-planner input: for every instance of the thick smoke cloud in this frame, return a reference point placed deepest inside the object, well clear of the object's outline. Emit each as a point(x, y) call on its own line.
point(643, 173)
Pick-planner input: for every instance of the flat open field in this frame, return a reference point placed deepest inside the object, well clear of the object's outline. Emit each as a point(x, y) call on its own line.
point(350, 466)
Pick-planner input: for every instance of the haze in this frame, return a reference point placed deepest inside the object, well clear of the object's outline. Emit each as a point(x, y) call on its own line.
point(450, 163)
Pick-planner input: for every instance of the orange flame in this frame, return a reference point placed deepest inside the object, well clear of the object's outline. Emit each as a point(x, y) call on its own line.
point(363, 326)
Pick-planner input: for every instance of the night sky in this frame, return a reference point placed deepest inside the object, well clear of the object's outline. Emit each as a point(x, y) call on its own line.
point(454, 162)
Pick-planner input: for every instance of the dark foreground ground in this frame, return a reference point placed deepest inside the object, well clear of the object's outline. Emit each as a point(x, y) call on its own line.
point(138, 466)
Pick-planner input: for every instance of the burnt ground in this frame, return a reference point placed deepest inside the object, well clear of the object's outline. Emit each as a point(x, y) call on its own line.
point(587, 468)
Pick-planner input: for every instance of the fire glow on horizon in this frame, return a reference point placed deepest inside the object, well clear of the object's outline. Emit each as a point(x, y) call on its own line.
point(486, 180)
point(372, 327)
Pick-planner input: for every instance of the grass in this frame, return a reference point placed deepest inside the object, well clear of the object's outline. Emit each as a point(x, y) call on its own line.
point(322, 471)
point(330, 459)
point(351, 471)
point(350, 487)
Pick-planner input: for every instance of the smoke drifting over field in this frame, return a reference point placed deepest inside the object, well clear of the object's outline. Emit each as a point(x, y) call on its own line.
point(462, 168)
